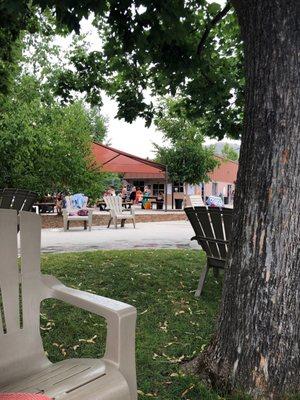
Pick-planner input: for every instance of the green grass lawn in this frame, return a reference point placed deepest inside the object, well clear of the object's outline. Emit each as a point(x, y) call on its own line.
point(172, 325)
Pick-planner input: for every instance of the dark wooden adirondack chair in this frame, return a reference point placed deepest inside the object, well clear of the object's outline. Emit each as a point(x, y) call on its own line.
point(17, 199)
point(212, 228)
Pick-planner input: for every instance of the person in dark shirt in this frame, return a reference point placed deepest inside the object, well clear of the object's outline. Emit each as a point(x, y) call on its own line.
point(133, 194)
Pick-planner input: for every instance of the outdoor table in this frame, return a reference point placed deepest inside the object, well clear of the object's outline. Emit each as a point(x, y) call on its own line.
point(44, 207)
point(102, 205)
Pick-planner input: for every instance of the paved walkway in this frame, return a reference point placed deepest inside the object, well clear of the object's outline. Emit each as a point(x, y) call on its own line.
point(166, 235)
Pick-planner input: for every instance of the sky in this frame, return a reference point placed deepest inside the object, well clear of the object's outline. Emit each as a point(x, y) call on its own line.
point(133, 138)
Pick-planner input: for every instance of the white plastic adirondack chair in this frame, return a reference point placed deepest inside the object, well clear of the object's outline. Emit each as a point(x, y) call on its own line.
point(24, 367)
point(196, 200)
point(114, 203)
point(67, 217)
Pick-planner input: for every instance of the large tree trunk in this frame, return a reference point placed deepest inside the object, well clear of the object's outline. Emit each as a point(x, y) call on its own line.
point(257, 344)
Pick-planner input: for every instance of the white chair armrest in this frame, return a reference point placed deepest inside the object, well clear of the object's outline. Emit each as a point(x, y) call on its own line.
point(112, 212)
point(120, 317)
point(132, 211)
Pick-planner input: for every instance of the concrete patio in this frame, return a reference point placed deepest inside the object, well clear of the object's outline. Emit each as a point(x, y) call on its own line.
point(167, 234)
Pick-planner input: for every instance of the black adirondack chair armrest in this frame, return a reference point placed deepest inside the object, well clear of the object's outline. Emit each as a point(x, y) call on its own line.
point(208, 239)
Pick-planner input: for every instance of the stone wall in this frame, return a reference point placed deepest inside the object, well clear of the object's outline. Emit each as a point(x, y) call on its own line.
point(56, 221)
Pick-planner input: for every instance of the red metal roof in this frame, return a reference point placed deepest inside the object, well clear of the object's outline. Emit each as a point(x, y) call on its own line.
point(118, 161)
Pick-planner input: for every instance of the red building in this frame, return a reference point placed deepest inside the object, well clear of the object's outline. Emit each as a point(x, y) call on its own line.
point(141, 172)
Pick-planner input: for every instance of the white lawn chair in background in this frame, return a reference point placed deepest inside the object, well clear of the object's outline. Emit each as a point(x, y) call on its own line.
point(69, 213)
point(196, 200)
point(114, 203)
point(24, 366)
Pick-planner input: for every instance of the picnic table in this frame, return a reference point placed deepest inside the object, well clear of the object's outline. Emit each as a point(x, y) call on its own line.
point(45, 207)
point(102, 206)
point(155, 200)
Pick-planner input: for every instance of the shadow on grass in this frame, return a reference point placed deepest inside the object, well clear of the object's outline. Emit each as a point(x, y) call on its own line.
point(172, 326)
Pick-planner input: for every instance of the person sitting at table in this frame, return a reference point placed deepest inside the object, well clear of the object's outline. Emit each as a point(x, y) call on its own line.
point(112, 191)
point(59, 203)
point(124, 192)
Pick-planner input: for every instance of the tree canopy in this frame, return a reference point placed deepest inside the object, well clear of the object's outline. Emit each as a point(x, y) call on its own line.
point(46, 147)
point(150, 47)
point(188, 160)
point(229, 152)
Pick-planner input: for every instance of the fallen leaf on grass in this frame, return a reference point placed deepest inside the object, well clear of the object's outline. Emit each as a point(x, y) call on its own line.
point(63, 352)
point(163, 326)
point(170, 344)
point(92, 340)
point(146, 394)
point(187, 390)
point(173, 360)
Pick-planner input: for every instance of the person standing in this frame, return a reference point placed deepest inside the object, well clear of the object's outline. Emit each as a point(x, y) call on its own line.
point(132, 196)
point(145, 196)
point(139, 196)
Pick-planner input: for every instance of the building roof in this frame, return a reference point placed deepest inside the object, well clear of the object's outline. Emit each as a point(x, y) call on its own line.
point(134, 167)
point(118, 161)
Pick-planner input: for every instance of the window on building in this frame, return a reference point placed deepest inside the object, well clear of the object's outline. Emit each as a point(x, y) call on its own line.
point(158, 187)
point(140, 184)
point(214, 189)
point(178, 187)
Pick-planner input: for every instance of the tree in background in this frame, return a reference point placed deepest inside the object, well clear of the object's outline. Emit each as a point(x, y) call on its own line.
point(46, 147)
point(194, 48)
point(229, 152)
point(186, 158)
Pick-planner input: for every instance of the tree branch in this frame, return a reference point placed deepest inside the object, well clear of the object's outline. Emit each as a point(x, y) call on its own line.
point(210, 25)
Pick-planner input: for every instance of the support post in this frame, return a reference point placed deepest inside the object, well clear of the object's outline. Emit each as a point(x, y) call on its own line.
point(166, 189)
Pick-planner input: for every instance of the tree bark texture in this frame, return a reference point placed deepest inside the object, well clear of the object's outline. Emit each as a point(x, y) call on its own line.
point(256, 347)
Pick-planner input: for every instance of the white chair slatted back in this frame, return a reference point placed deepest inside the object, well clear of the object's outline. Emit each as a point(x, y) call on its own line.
point(20, 297)
point(196, 200)
point(114, 203)
point(9, 273)
point(30, 240)
point(68, 203)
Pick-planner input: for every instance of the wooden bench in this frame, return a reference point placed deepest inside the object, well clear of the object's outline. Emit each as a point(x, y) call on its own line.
point(212, 227)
